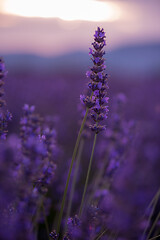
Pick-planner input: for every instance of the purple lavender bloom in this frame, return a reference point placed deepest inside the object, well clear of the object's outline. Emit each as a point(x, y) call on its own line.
point(3, 71)
point(5, 115)
point(66, 238)
point(97, 101)
point(74, 231)
point(38, 144)
point(14, 194)
point(118, 137)
point(132, 188)
point(53, 235)
point(89, 227)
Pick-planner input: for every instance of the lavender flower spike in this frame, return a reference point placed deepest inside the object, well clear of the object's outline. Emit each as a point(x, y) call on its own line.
point(5, 115)
point(98, 100)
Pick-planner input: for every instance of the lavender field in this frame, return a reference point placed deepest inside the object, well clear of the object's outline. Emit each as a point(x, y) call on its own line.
point(80, 144)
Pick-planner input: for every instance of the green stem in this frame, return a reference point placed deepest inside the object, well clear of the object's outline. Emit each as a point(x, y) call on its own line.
point(153, 208)
point(70, 170)
point(154, 237)
point(100, 235)
point(153, 226)
point(74, 179)
point(96, 182)
point(88, 173)
point(154, 198)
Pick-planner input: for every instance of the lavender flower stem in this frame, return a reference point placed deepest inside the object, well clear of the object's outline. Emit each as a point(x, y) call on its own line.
point(88, 173)
point(100, 235)
point(70, 170)
point(153, 226)
point(74, 178)
point(96, 182)
point(154, 237)
point(154, 203)
point(154, 199)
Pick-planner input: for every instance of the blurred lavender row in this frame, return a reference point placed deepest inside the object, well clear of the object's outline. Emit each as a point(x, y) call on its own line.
point(122, 200)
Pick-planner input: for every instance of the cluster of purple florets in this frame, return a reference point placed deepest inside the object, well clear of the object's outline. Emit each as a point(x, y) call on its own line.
point(5, 115)
point(27, 170)
point(98, 99)
point(38, 142)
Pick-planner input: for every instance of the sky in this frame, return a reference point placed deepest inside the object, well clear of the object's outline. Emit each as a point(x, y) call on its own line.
point(56, 27)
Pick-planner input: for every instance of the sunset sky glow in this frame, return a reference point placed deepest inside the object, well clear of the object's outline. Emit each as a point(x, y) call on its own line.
point(54, 27)
point(88, 10)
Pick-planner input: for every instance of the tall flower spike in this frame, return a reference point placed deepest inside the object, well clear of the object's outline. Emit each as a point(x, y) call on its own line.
point(98, 100)
point(96, 75)
point(5, 115)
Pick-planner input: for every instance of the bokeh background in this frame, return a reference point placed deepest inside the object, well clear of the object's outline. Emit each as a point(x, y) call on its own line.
point(45, 46)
